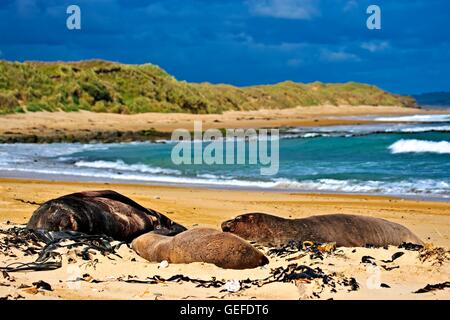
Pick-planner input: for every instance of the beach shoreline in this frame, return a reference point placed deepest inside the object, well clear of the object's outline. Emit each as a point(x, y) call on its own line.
point(85, 127)
point(27, 176)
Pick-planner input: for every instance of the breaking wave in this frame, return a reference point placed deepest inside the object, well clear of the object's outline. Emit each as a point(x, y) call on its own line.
point(420, 146)
point(120, 165)
point(417, 118)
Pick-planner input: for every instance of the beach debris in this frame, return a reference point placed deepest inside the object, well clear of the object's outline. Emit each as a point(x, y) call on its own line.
point(6, 276)
point(32, 266)
point(296, 257)
point(42, 285)
point(435, 255)
point(368, 259)
point(327, 247)
point(163, 264)
point(315, 250)
point(30, 290)
point(371, 260)
point(88, 278)
point(232, 286)
point(292, 273)
point(389, 268)
point(433, 287)
point(157, 295)
point(352, 283)
point(179, 278)
point(394, 257)
point(34, 203)
point(14, 296)
point(384, 285)
point(410, 246)
point(45, 244)
point(283, 251)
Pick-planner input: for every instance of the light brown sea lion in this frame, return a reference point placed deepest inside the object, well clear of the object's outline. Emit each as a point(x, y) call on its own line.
point(345, 230)
point(101, 212)
point(200, 245)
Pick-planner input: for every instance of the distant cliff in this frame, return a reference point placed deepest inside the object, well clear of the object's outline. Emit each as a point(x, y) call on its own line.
point(103, 86)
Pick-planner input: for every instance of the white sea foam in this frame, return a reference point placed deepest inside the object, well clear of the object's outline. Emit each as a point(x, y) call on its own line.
point(121, 165)
point(419, 146)
point(405, 187)
point(423, 129)
point(417, 118)
point(48, 150)
point(351, 131)
point(413, 187)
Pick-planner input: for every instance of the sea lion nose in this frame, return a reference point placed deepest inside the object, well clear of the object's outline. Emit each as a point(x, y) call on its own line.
point(263, 261)
point(226, 226)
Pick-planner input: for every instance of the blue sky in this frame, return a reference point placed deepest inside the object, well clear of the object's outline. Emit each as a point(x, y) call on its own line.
point(244, 42)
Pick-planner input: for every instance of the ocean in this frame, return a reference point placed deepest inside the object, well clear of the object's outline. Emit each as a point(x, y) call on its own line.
point(395, 157)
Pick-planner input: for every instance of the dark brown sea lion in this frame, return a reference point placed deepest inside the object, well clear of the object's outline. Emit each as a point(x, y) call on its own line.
point(101, 212)
point(345, 230)
point(200, 245)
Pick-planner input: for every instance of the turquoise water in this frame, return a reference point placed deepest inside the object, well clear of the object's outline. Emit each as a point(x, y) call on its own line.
point(409, 159)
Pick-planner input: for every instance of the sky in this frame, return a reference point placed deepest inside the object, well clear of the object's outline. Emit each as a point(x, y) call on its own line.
point(244, 42)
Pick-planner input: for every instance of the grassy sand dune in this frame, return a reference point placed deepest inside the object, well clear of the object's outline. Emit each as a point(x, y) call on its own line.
point(103, 86)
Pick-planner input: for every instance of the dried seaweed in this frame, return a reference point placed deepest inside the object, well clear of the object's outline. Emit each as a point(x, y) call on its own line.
point(368, 259)
point(288, 249)
point(45, 243)
point(291, 273)
point(410, 246)
point(315, 250)
point(433, 287)
point(435, 255)
point(394, 257)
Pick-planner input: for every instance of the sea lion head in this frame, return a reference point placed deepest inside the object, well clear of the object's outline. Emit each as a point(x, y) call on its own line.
point(250, 226)
point(55, 216)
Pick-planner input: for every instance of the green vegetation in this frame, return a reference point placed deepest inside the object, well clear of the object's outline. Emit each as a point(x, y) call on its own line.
point(103, 86)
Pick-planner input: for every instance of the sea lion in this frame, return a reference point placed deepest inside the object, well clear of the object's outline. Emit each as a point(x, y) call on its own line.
point(101, 212)
point(345, 230)
point(225, 250)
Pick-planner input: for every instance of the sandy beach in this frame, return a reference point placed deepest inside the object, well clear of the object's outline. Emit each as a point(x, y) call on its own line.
point(104, 277)
point(76, 126)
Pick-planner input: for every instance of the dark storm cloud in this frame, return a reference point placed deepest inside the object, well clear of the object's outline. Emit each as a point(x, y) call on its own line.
point(243, 42)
